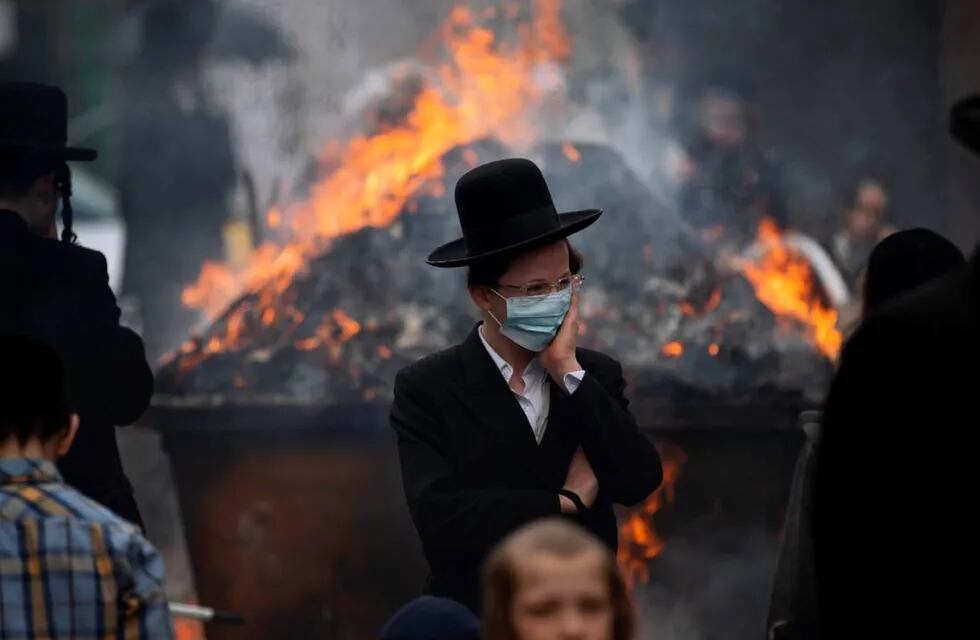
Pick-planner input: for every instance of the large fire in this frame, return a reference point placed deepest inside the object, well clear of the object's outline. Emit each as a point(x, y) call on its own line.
point(784, 282)
point(487, 87)
point(639, 541)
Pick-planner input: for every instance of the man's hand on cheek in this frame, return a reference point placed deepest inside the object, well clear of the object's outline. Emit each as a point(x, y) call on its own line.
point(559, 358)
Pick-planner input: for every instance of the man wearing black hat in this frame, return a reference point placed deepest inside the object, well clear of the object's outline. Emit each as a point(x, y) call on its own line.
point(57, 291)
point(516, 423)
point(894, 529)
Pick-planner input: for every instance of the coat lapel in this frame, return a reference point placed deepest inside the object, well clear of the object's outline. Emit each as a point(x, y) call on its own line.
point(561, 437)
point(486, 394)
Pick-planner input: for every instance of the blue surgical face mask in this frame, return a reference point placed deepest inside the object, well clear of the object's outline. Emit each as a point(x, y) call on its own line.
point(534, 321)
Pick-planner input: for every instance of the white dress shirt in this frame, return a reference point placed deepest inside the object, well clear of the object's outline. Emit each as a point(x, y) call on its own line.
point(535, 401)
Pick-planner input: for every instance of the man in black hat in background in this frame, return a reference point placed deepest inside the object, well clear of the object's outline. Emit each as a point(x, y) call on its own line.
point(177, 169)
point(56, 291)
point(895, 535)
point(515, 423)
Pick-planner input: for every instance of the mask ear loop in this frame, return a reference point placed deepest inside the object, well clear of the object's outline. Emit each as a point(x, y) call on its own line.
point(497, 293)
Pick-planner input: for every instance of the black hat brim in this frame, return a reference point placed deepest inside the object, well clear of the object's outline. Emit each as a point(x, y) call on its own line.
point(79, 154)
point(964, 122)
point(455, 253)
point(67, 154)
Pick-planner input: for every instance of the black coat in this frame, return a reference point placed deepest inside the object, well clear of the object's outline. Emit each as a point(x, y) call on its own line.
point(473, 471)
point(895, 527)
point(60, 293)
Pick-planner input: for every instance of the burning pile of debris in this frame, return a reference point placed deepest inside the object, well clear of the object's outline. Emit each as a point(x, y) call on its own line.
point(331, 310)
point(368, 305)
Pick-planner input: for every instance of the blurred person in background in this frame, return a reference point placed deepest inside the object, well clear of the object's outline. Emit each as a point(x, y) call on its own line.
point(866, 204)
point(898, 265)
point(177, 169)
point(69, 567)
point(58, 291)
point(515, 423)
point(553, 580)
point(904, 261)
point(728, 182)
point(893, 531)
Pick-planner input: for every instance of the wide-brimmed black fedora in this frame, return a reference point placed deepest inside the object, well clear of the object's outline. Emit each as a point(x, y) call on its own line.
point(503, 206)
point(964, 122)
point(34, 119)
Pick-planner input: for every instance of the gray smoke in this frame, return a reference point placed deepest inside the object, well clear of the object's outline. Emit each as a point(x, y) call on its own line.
point(710, 587)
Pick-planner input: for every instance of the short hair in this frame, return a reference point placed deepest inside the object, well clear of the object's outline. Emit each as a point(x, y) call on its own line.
point(906, 260)
point(34, 395)
point(487, 272)
point(19, 171)
point(551, 536)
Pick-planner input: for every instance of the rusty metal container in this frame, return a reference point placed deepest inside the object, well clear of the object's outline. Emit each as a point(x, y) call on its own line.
point(295, 515)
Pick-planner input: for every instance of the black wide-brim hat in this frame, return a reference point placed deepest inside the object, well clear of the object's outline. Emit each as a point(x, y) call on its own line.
point(964, 122)
point(504, 206)
point(34, 120)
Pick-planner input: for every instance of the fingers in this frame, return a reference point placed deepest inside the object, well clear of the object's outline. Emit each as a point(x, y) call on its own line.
point(571, 318)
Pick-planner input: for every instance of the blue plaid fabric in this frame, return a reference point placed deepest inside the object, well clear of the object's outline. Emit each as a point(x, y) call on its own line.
point(70, 568)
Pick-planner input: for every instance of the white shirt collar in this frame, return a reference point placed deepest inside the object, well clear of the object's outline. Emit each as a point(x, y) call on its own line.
point(533, 371)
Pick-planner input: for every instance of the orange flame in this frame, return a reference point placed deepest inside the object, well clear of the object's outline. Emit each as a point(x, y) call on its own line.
point(571, 152)
point(714, 301)
point(783, 281)
point(487, 88)
point(188, 629)
point(274, 218)
point(673, 349)
point(639, 541)
point(336, 329)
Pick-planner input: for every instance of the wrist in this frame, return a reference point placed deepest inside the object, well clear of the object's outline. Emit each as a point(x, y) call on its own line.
point(578, 506)
point(566, 506)
point(559, 370)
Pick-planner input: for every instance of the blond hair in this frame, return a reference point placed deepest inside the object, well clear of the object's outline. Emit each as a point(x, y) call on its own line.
point(556, 537)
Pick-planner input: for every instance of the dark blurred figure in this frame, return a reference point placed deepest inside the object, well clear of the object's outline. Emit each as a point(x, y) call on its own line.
point(899, 264)
point(895, 536)
point(177, 170)
point(865, 205)
point(906, 260)
point(728, 181)
point(58, 292)
point(432, 618)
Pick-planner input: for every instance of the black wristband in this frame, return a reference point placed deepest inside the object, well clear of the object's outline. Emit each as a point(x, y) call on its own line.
point(576, 500)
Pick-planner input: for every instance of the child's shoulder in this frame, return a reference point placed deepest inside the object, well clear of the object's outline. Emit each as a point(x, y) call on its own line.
point(85, 510)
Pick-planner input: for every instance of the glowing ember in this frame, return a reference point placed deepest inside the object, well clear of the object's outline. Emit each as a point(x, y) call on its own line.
point(571, 152)
point(488, 88)
point(188, 629)
point(673, 350)
point(784, 282)
point(274, 218)
point(688, 309)
point(639, 541)
point(714, 301)
point(336, 329)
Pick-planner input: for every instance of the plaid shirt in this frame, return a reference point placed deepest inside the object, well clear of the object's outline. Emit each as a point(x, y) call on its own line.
point(70, 568)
